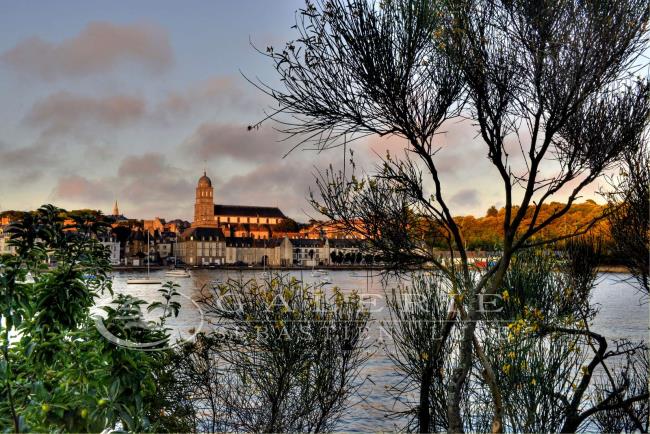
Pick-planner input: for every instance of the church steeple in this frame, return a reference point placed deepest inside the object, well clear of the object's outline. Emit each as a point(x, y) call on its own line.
point(116, 210)
point(204, 203)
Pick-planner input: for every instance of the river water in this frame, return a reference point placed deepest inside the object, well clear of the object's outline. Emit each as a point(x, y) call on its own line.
point(622, 314)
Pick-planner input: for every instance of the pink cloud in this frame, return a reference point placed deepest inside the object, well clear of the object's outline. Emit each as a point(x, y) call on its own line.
point(79, 189)
point(98, 48)
point(62, 112)
point(150, 179)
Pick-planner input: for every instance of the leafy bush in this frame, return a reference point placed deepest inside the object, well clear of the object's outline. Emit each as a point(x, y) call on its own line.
point(285, 357)
point(57, 372)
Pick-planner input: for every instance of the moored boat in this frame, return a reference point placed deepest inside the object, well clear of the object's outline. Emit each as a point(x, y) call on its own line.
point(178, 273)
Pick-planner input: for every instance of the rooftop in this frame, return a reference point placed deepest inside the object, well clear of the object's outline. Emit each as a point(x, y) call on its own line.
point(248, 211)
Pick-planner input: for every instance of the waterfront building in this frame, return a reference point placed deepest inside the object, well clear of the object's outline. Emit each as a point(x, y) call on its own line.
point(113, 246)
point(202, 246)
point(310, 252)
point(275, 252)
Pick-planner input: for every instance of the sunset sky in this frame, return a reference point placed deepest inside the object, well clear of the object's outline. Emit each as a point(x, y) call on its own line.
point(106, 101)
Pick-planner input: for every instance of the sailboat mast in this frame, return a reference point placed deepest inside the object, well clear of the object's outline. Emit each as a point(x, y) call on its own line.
point(148, 253)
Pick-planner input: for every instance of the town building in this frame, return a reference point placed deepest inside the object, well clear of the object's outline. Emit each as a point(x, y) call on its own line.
point(114, 250)
point(234, 220)
point(202, 246)
point(5, 248)
point(309, 252)
point(204, 242)
point(275, 252)
point(254, 235)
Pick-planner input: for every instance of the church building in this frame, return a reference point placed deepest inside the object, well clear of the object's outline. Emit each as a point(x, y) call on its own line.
point(234, 220)
point(205, 241)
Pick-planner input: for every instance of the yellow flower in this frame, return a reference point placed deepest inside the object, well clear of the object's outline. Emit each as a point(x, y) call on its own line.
point(45, 408)
point(511, 354)
point(424, 356)
point(533, 381)
point(584, 370)
point(507, 368)
point(505, 295)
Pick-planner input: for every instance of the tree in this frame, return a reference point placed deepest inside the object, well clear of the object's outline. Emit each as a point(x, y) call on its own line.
point(59, 373)
point(121, 233)
point(629, 221)
point(554, 76)
point(492, 211)
point(287, 357)
point(539, 341)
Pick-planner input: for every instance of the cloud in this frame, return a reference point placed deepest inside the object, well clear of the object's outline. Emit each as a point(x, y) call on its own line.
point(18, 158)
point(145, 185)
point(277, 183)
point(218, 140)
point(468, 197)
point(222, 93)
point(24, 165)
point(64, 112)
point(100, 47)
point(79, 189)
point(148, 180)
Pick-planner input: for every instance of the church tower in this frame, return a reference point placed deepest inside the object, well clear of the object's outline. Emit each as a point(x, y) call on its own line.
point(116, 210)
point(204, 204)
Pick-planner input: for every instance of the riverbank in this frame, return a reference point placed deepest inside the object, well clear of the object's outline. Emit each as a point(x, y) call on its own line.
point(253, 268)
point(601, 268)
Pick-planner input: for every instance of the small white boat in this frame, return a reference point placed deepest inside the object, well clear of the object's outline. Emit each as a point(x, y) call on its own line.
point(177, 273)
point(319, 273)
point(324, 280)
point(266, 275)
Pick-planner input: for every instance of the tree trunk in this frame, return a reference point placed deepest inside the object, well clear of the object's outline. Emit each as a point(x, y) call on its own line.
point(424, 414)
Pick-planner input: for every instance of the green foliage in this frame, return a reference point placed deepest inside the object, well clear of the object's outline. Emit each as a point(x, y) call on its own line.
point(419, 326)
point(57, 372)
point(291, 355)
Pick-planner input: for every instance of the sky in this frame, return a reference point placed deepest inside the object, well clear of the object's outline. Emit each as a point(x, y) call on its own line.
point(131, 101)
